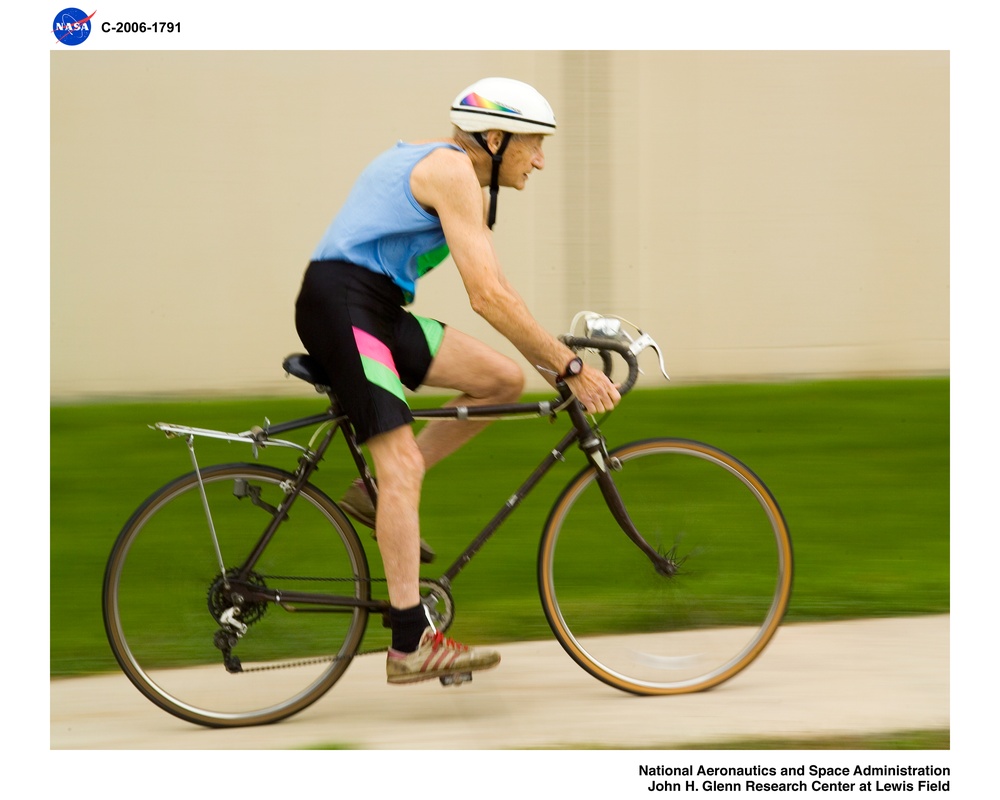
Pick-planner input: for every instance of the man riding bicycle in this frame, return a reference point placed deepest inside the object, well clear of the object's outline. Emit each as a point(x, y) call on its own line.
point(411, 207)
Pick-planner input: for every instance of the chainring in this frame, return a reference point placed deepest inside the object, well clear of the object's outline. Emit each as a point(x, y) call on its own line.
point(439, 603)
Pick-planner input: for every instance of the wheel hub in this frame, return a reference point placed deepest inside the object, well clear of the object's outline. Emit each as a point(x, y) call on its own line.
point(221, 597)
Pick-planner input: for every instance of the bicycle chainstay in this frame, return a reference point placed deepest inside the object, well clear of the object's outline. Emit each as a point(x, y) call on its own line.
point(308, 661)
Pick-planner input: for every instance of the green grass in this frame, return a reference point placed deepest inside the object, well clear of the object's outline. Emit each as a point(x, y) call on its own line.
point(860, 468)
point(902, 740)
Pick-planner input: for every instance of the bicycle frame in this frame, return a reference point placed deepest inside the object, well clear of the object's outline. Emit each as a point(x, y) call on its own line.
point(582, 432)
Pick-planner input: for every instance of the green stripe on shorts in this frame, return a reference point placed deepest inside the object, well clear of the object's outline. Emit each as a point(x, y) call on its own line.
point(378, 373)
point(433, 333)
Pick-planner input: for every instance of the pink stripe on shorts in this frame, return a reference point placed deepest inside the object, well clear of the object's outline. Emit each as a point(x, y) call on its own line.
point(371, 347)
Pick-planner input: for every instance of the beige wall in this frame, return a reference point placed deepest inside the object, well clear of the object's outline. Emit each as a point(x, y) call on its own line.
point(762, 214)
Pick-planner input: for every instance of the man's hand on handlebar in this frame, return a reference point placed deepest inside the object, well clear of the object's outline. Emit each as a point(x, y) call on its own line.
point(594, 390)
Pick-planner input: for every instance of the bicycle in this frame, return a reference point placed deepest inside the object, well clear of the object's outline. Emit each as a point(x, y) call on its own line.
point(238, 594)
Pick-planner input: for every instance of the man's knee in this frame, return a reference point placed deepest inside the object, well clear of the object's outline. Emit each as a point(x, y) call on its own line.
point(497, 380)
point(479, 371)
point(508, 381)
point(398, 460)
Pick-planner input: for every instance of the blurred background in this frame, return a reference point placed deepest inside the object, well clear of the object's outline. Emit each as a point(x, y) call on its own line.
point(769, 217)
point(762, 214)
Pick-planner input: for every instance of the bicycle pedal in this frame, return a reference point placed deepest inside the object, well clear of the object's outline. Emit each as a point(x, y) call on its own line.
point(456, 680)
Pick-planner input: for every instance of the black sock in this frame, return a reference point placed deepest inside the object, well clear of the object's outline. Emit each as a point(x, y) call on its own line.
point(408, 625)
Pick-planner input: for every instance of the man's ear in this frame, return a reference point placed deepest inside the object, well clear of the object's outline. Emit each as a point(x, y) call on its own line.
point(494, 139)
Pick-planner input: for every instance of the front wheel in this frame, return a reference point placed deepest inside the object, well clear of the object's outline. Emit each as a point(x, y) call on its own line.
point(706, 609)
point(172, 612)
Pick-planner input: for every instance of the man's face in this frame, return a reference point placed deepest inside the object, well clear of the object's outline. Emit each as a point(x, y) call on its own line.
point(523, 154)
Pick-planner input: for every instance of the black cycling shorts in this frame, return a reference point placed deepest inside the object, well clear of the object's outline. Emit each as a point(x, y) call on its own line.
point(353, 322)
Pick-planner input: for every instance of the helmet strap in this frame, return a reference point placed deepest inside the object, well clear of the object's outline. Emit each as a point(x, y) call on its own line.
point(495, 173)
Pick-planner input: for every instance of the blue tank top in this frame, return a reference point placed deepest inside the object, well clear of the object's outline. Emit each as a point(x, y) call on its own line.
point(382, 227)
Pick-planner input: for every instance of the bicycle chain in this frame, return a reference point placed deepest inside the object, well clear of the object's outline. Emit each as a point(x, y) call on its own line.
point(334, 580)
point(307, 662)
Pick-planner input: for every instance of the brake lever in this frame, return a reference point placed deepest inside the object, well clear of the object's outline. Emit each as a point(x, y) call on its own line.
point(640, 344)
point(605, 327)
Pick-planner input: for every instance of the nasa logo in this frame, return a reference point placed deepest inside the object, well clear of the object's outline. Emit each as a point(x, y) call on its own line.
point(72, 26)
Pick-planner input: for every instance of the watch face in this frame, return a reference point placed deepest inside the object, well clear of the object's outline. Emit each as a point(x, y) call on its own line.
point(575, 367)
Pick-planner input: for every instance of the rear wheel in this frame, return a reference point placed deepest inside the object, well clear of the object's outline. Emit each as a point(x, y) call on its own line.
point(175, 619)
point(643, 629)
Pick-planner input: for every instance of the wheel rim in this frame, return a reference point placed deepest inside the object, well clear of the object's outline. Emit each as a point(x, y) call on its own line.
point(638, 630)
point(162, 605)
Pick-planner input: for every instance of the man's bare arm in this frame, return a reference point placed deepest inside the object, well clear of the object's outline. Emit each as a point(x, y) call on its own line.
point(446, 182)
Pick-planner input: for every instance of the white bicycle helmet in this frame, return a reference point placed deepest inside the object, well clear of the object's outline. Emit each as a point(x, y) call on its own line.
point(501, 104)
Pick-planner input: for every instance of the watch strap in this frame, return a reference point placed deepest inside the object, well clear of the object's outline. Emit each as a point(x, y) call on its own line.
point(573, 368)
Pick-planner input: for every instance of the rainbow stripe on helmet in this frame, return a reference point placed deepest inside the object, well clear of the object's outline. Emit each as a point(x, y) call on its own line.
point(478, 101)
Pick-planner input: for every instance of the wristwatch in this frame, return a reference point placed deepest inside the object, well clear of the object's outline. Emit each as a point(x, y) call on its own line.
point(573, 368)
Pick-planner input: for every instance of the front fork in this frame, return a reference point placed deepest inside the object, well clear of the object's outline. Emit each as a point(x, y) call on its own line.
point(594, 445)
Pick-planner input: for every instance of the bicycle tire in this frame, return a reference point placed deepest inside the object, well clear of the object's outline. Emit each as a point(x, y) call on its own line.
point(634, 627)
point(163, 595)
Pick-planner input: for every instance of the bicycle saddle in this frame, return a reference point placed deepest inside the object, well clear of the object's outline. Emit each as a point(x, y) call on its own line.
point(307, 368)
